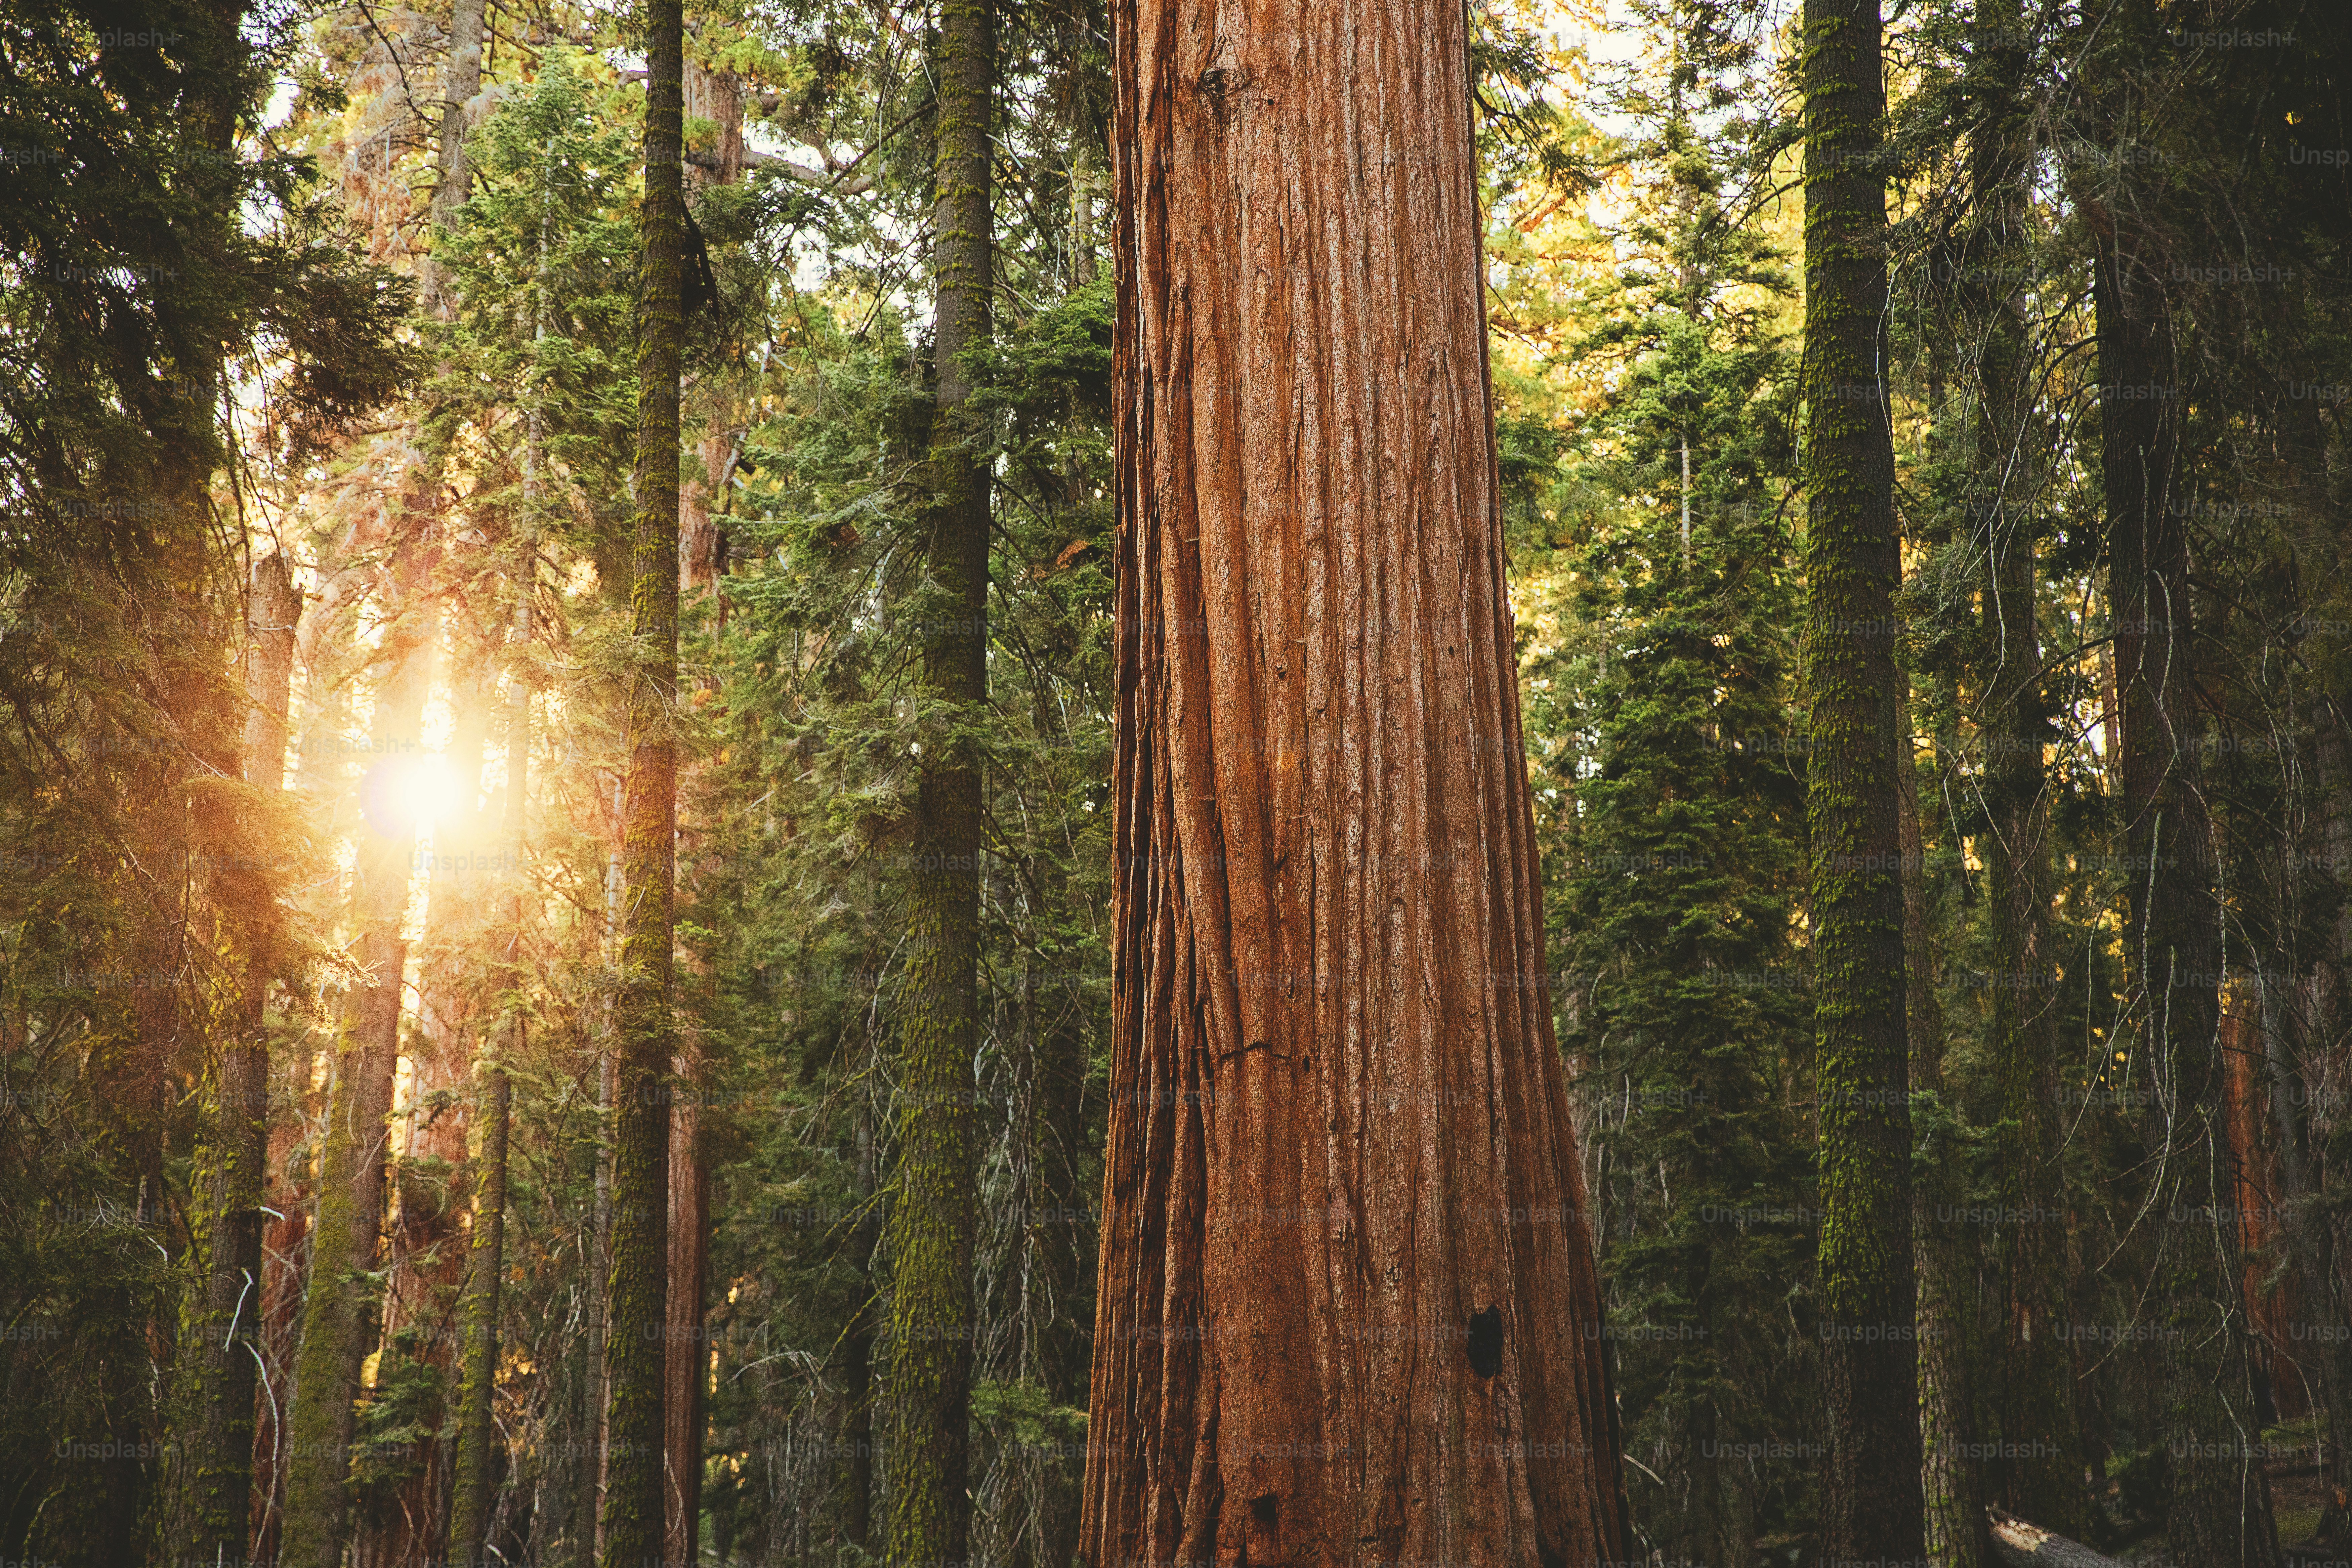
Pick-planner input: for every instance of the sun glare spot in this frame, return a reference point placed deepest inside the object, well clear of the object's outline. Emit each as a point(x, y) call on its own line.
point(409, 794)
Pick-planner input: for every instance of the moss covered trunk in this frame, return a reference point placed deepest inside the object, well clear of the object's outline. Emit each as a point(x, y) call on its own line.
point(637, 1300)
point(934, 1209)
point(1346, 1305)
point(1870, 1498)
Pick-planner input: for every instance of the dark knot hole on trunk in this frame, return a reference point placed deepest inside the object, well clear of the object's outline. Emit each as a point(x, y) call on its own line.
point(1486, 1341)
point(1262, 1546)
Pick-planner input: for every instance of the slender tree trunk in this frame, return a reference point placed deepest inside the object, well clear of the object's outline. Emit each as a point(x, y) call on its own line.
point(461, 81)
point(2218, 1510)
point(587, 1525)
point(2042, 1473)
point(1056, 1324)
point(1952, 1487)
point(227, 1347)
point(684, 1346)
point(478, 1333)
point(934, 1209)
point(2321, 1018)
point(285, 1243)
point(1086, 177)
point(857, 1354)
point(325, 652)
point(638, 1300)
point(1869, 1497)
point(472, 1500)
point(716, 95)
point(1345, 1275)
point(340, 1313)
point(424, 1249)
point(2303, 1052)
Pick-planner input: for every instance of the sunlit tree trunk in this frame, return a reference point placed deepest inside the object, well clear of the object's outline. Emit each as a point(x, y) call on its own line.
point(1869, 1497)
point(1346, 1279)
point(477, 1317)
point(339, 1311)
point(228, 1306)
point(637, 1302)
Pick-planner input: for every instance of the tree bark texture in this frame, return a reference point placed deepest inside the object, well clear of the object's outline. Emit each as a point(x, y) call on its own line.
point(684, 1347)
point(1346, 1280)
point(934, 1210)
point(340, 1311)
point(2309, 1120)
point(461, 81)
point(2219, 1512)
point(637, 1302)
point(1869, 1497)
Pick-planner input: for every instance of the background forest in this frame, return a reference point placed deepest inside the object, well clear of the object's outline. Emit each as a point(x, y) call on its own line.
point(318, 404)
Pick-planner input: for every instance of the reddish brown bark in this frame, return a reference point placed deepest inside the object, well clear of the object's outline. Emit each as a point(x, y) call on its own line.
point(684, 1350)
point(2273, 1308)
point(1345, 1263)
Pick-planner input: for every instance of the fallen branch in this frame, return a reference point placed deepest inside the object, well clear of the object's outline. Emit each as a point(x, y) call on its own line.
point(2023, 1545)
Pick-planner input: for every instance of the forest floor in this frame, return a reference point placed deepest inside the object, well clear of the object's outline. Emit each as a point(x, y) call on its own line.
point(2298, 1500)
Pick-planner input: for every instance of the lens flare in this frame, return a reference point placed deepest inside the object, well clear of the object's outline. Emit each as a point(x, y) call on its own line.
point(407, 794)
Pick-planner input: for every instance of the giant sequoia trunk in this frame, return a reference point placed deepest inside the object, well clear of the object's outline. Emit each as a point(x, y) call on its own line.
point(1346, 1281)
point(1870, 1495)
